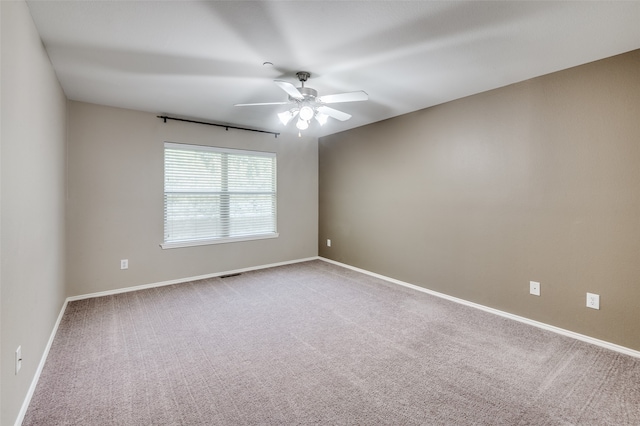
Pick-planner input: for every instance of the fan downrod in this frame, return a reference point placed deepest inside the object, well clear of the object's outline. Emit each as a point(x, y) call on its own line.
point(308, 93)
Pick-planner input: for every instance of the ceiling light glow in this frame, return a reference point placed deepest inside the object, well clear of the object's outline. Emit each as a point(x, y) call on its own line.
point(285, 117)
point(302, 124)
point(306, 112)
point(321, 118)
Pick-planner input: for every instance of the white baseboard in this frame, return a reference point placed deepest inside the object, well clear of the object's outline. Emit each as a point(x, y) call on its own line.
point(34, 382)
point(32, 388)
point(43, 359)
point(184, 280)
point(558, 330)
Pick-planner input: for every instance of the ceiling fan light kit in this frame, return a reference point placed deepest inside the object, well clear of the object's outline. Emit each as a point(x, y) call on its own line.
point(286, 116)
point(302, 124)
point(321, 118)
point(306, 113)
point(308, 105)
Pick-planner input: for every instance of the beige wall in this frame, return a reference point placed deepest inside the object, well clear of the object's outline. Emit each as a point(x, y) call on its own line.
point(115, 200)
point(32, 179)
point(474, 198)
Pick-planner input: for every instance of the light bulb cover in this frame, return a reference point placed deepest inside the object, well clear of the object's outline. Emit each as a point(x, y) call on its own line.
point(302, 124)
point(285, 117)
point(306, 112)
point(321, 118)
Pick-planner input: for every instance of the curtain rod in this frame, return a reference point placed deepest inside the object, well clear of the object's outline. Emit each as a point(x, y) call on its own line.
point(226, 126)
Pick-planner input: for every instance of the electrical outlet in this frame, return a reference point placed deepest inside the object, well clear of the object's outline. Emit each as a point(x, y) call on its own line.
point(18, 359)
point(593, 301)
point(124, 264)
point(328, 243)
point(534, 288)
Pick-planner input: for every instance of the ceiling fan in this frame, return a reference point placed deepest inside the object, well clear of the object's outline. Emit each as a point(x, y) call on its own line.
point(307, 105)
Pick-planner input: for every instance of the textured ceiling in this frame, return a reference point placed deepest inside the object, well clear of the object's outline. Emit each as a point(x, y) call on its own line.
point(198, 59)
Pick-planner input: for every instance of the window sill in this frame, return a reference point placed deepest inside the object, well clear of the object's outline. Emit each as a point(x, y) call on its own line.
point(194, 243)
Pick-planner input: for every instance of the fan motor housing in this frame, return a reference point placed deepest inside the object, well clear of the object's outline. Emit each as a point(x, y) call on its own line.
point(307, 92)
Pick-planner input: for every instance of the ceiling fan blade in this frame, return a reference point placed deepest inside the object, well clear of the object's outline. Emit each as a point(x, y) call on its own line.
point(289, 88)
point(338, 115)
point(360, 95)
point(263, 103)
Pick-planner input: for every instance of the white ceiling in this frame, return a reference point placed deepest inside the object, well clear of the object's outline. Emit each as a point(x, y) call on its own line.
point(198, 59)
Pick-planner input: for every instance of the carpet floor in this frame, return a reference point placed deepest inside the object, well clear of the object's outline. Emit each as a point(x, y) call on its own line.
point(317, 344)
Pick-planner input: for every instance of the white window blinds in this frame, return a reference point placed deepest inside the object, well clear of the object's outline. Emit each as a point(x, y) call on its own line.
point(217, 195)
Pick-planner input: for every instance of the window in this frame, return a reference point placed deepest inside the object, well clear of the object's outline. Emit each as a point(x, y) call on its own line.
point(214, 195)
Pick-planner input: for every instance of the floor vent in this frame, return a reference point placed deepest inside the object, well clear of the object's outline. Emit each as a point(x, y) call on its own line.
point(230, 275)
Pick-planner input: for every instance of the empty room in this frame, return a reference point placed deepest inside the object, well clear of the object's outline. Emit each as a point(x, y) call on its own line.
point(319, 212)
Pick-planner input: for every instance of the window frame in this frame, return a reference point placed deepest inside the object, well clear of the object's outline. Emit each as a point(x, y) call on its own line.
point(169, 244)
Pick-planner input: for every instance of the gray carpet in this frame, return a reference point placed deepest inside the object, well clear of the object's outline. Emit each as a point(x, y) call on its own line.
point(317, 344)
